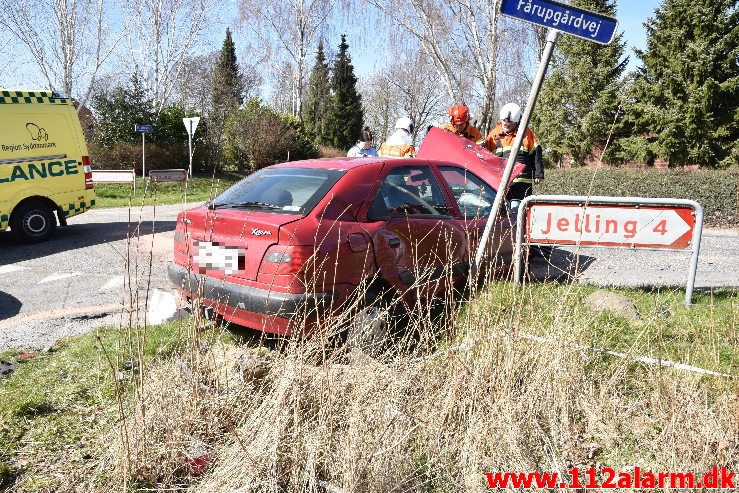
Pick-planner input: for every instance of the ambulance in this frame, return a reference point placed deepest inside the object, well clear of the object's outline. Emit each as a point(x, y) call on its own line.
point(45, 174)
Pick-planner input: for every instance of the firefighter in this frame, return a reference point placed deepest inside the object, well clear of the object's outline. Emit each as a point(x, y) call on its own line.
point(459, 124)
point(500, 141)
point(400, 143)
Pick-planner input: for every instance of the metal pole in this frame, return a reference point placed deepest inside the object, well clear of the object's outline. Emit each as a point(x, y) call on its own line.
point(552, 36)
point(697, 232)
point(143, 157)
point(189, 146)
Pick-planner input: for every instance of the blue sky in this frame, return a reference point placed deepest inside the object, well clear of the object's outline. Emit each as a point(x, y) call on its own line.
point(631, 15)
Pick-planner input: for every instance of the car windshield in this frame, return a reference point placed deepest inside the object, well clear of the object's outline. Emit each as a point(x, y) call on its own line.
point(282, 190)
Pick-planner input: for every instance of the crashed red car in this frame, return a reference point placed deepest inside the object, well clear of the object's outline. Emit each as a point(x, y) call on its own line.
point(294, 243)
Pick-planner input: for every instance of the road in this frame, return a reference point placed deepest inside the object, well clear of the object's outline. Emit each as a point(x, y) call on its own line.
point(109, 268)
point(105, 268)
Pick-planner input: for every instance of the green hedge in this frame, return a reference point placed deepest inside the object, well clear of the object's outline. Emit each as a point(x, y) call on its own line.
point(715, 190)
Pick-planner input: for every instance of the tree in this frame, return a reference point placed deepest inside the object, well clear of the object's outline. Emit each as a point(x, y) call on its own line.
point(68, 40)
point(227, 92)
point(684, 100)
point(397, 91)
point(118, 110)
point(346, 115)
point(318, 99)
point(462, 39)
point(575, 114)
point(256, 137)
point(228, 84)
point(160, 37)
point(289, 29)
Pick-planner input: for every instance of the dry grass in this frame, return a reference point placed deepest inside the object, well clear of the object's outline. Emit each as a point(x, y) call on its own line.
point(294, 417)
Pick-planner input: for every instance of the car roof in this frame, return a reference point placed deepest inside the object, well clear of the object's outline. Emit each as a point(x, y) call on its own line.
point(344, 163)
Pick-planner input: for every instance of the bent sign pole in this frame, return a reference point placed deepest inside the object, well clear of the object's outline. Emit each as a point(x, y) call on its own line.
point(611, 222)
point(557, 17)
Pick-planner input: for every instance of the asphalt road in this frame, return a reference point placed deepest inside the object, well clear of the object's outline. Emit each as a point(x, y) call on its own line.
point(109, 268)
point(106, 268)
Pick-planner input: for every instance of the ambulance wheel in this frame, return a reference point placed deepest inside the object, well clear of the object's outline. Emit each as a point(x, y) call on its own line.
point(32, 222)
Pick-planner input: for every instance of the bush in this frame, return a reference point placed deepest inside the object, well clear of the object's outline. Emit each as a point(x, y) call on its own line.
point(158, 156)
point(715, 190)
point(257, 137)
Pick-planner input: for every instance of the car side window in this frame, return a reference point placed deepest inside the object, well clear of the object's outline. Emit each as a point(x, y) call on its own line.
point(410, 190)
point(474, 197)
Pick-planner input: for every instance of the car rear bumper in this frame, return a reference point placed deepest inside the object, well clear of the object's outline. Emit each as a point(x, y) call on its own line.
point(265, 302)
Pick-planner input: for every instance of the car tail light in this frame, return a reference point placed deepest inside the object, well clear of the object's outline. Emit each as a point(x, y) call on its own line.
point(88, 172)
point(283, 259)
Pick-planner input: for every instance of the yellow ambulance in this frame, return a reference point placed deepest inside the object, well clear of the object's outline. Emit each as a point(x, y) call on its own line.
point(45, 174)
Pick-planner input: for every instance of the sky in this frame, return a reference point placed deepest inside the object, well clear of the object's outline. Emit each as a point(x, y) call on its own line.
point(631, 14)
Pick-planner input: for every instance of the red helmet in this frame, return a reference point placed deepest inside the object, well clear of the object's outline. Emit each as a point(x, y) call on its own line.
point(459, 114)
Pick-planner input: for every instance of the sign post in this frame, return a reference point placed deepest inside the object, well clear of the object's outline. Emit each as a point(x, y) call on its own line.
point(557, 17)
point(190, 124)
point(144, 129)
point(611, 222)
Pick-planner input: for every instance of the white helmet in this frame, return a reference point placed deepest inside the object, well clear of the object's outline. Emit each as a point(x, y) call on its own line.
point(511, 111)
point(404, 123)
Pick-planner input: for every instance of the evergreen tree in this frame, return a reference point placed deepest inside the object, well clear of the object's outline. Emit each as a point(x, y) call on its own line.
point(228, 83)
point(347, 115)
point(119, 110)
point(685, 97)
point(228, 89)
point(574, 116)
point(318, 100)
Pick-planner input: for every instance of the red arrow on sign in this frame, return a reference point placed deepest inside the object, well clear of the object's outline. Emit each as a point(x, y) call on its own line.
point(609, 225)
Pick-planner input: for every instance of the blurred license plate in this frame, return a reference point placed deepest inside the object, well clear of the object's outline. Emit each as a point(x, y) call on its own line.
point(216, 256)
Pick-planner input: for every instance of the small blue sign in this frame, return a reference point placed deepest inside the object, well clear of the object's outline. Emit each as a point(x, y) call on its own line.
point(147, 129)
point(566, 18)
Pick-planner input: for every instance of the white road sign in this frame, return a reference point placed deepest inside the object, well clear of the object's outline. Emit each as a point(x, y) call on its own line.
point(611, 225)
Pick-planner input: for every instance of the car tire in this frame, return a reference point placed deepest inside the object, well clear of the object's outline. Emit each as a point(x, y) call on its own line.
point(32, 222)
point(370, 329)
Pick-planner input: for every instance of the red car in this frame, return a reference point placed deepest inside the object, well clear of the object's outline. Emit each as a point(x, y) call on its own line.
point(299, 243)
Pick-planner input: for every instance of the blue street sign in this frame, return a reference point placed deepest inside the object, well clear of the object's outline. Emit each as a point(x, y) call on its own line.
point(565, 18)
point(147, 129)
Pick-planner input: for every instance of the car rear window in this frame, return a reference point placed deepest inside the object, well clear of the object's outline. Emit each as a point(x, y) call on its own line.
point(282, 190)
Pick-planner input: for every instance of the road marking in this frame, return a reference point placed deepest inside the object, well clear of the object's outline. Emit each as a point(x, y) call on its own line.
point(6, 269)
point(114, 283)
point(63, 313)
point(60, 276)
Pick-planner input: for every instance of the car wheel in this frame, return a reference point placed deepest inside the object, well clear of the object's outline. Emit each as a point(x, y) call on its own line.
point(32, 222)
point(370, 331)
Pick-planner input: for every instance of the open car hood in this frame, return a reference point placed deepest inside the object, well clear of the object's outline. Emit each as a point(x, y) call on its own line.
point(446, 146)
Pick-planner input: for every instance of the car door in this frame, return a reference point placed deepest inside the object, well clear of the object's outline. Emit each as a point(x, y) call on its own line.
point(474, 198)
point(419, 248)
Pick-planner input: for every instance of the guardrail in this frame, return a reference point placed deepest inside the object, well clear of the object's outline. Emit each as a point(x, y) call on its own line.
point(115, 176)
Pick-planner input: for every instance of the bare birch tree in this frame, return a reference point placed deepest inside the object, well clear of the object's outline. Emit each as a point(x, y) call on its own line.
point(160, 37)
point(292, 28)
point(68, 40)
point(460, 37)
point(397, 91)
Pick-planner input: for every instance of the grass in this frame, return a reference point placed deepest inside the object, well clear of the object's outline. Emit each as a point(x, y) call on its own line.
point(200, 189)
point(514, 387)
